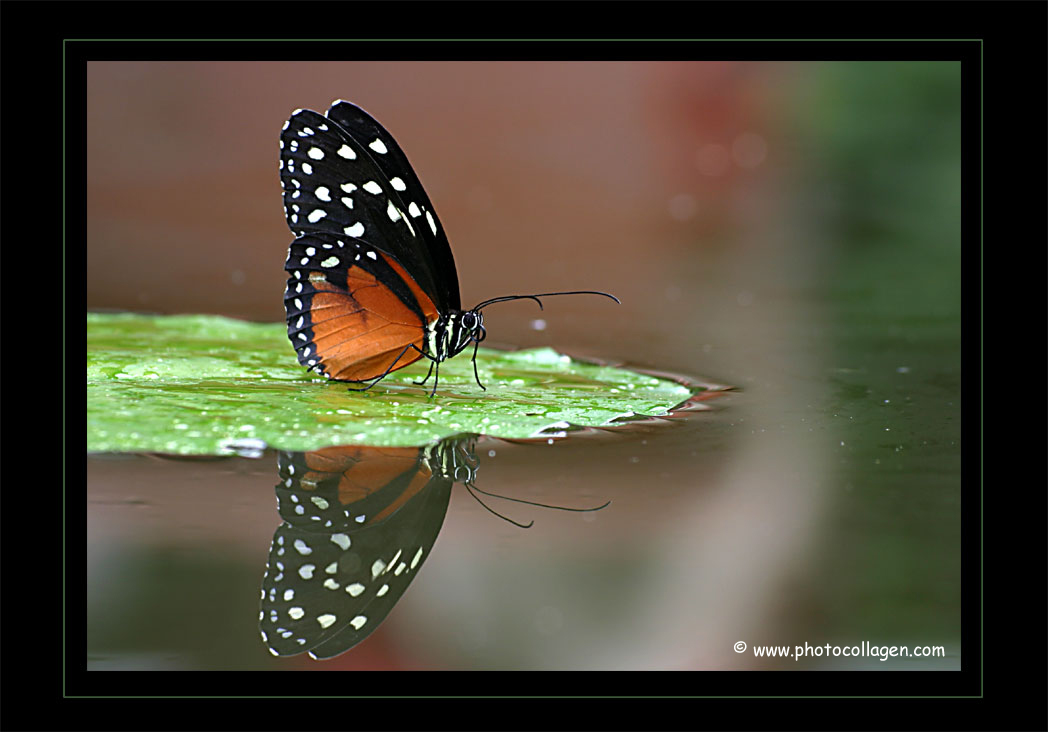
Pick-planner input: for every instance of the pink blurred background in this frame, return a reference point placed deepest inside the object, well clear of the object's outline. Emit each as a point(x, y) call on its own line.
point(546, 176)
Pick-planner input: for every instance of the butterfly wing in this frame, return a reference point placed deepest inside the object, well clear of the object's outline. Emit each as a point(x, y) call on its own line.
point(344, 174)
point(371, 268)
point(358, 524)
point(430, 251)
point(353, 312)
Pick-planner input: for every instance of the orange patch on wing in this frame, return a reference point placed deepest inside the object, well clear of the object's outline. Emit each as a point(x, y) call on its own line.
point(339, 459)
point(378, 472)
point(418, 482)
point(367, 470)
point(428, 308)
point(371, 468)
point(359, 332)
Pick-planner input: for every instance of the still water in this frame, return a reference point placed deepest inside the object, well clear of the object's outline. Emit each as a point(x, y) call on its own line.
point(813, 508)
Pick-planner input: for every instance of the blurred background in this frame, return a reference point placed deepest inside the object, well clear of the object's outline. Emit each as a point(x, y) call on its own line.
point(789, 229)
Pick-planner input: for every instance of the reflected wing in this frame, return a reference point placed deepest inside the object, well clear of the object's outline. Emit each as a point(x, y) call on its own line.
point(358, 524)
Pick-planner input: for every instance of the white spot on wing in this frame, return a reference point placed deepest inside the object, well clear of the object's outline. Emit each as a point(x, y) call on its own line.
point(326, 620)
point(397, 184)
point(373, 187)
point(378, 146)
point(347, 152)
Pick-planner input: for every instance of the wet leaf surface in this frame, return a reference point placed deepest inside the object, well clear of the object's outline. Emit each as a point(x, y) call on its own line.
point(202, 384)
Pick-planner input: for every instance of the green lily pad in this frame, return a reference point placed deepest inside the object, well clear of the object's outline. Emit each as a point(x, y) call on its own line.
point(208, 385)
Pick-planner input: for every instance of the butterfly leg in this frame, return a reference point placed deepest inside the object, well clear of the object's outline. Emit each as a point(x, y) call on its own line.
point(385, 374)
point(475, 374)
point(364, 388)
point(436, 379)
point(420, 383)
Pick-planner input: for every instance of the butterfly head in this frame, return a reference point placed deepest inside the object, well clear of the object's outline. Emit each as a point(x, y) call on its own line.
point(464, 329)
point(453, 460)
point(453, 332)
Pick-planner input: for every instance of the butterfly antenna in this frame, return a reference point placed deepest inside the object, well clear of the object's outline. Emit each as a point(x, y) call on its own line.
point(536, 297)
point(542, 505)
point(471, 488)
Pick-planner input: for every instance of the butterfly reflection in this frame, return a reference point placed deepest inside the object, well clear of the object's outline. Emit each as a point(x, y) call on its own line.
point(359, 522)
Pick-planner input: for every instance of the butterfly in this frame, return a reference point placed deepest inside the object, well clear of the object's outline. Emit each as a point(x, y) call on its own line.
point(358, 523)
point(372, 285)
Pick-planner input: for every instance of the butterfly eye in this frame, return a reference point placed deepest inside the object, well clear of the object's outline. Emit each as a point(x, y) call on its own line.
point(469, 321)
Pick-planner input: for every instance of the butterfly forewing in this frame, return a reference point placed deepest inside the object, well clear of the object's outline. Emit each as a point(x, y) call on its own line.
point(357, 183)
point(395, 167)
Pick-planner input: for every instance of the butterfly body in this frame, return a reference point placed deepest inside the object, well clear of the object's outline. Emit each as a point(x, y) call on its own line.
point(372, 285)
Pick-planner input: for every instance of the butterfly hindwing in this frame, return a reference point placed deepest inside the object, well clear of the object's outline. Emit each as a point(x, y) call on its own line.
point(352, 310)
point(358, 524)
point(347, 488)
